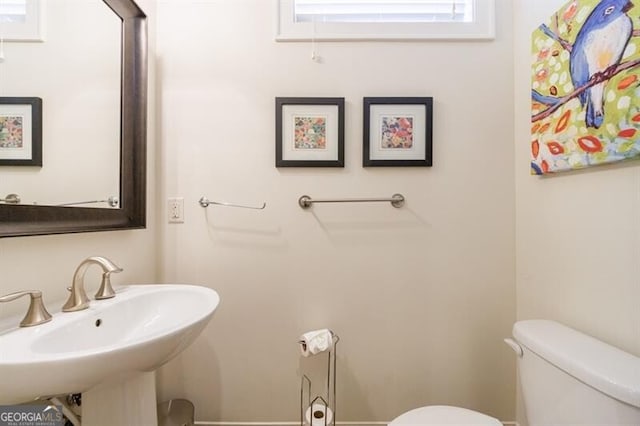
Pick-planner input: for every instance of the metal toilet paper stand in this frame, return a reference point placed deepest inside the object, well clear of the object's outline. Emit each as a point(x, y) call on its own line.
point(329, 400)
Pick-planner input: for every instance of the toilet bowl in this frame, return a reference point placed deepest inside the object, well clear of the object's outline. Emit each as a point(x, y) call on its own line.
point(437, 415)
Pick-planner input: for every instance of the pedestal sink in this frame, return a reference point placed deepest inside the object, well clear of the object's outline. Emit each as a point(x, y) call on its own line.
point(107, 352)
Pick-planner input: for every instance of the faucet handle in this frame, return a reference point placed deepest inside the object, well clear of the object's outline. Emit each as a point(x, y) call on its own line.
point(106, 290)
point(37, 313)
point(77, 300)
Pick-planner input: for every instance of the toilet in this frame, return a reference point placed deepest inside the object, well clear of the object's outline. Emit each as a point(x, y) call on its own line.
point(567, 378)
point(444, 415)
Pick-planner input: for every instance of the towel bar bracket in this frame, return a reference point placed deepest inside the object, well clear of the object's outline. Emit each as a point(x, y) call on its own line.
point(11, 199)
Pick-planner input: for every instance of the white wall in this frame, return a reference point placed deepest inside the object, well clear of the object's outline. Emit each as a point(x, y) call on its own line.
point(421, 296)
point(577, 234)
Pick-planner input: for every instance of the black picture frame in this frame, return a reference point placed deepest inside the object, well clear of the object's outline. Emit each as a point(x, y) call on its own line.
point(26, 115)
point(330, 111)
point(398, 132)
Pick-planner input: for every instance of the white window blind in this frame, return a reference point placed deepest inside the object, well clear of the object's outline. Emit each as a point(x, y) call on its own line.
point(13, 10)
point(383, 10)
point(339, 20)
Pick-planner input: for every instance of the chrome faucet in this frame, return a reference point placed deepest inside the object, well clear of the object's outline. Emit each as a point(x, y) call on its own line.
point(78, 299)
point(37, 313)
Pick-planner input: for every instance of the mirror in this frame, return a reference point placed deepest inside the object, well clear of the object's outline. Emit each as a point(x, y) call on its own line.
point(77, 81)
point(130, 182)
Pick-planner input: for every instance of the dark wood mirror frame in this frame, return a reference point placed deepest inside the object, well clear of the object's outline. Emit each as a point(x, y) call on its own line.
point(21, 220)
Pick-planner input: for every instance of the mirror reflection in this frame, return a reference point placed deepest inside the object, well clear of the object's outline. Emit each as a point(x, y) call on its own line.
point(76, 71)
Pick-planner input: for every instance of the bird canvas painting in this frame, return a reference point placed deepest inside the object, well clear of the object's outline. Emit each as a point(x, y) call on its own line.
point(585, 86)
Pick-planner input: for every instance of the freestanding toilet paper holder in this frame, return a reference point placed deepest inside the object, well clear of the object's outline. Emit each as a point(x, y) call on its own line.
point(320, 411)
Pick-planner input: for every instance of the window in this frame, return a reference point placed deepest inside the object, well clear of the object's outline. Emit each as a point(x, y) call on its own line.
point(385, 19)
point(13, 11)
point(21, 20)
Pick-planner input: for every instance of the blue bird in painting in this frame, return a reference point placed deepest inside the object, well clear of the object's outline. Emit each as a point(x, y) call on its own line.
point(598, 47)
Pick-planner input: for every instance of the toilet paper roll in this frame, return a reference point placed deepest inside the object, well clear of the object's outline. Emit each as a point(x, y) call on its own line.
point(314, 342)
point(318, 415)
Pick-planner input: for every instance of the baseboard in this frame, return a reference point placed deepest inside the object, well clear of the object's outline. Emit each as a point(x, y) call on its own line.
point(204, 423)
point(362, 423)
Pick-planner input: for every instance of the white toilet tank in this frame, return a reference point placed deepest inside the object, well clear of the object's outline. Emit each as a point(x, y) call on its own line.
point(569, 378)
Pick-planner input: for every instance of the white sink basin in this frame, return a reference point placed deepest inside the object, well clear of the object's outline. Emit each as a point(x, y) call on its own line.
point(140, 329)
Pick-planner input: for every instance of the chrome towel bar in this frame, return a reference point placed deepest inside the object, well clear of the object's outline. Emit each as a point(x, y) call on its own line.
point(112, 201)
point(396, 200)
point(205, 202)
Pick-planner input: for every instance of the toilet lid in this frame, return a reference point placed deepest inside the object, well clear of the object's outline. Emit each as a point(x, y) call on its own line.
point(444, 415)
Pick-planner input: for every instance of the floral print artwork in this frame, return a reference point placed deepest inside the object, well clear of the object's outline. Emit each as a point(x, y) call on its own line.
point(396, 132)
point(310, 132)
point(585, 86)
point(11, 132)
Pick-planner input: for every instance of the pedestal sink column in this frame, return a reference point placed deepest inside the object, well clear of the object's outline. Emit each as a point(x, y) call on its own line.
point(126, 401)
